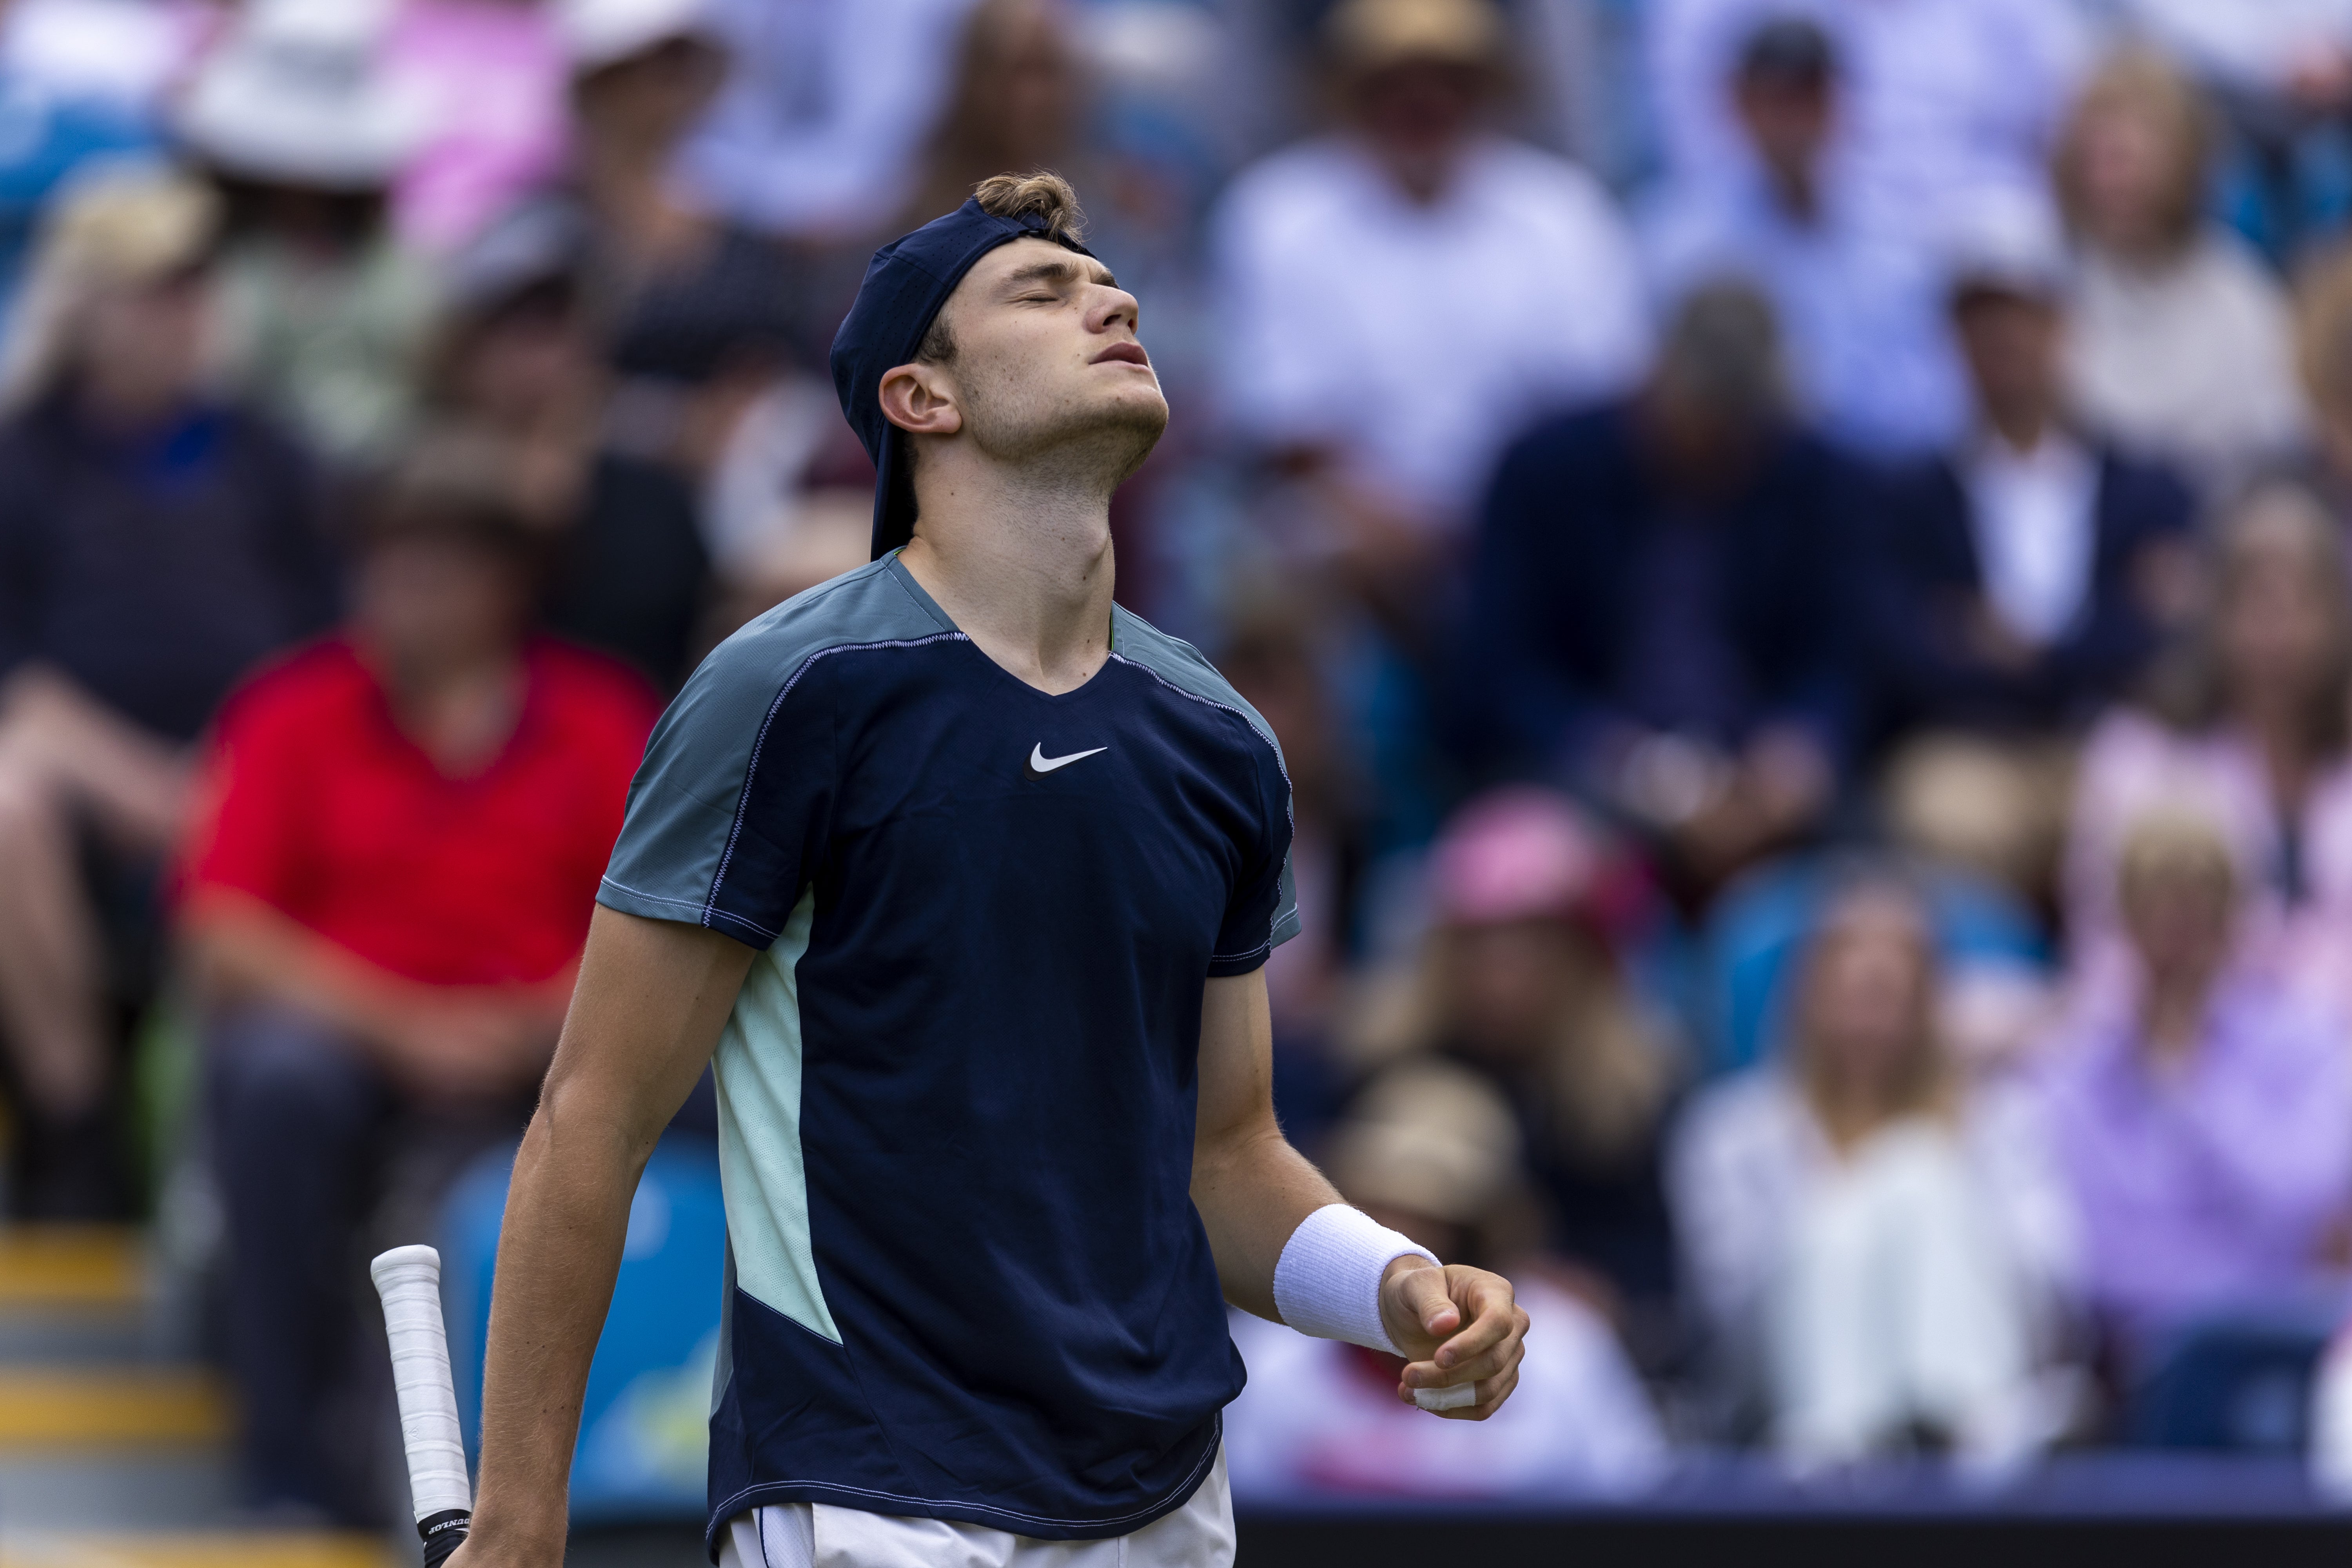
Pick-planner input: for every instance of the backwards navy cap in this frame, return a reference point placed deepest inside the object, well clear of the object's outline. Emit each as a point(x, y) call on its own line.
point(905, 283)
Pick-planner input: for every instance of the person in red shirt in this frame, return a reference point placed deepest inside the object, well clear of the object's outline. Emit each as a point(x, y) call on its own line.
point(399, 835)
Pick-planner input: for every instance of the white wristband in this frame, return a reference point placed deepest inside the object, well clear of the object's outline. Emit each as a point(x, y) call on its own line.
point(1327, 1283)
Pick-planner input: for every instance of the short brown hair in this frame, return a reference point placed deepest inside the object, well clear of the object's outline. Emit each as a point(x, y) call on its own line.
point(1043, 195)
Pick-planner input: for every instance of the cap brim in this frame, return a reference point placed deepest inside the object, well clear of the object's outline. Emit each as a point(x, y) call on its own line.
point(894, 495)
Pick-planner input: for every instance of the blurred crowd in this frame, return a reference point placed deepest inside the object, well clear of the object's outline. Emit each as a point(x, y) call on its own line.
point(1797, 551)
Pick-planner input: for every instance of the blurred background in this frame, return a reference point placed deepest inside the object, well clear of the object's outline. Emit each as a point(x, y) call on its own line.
point(1797, 551)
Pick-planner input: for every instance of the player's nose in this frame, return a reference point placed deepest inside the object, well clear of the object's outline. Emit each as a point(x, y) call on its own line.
point(1113, 308)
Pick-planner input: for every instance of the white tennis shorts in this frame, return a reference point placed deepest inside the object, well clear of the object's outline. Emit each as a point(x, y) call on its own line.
point(819, 1535)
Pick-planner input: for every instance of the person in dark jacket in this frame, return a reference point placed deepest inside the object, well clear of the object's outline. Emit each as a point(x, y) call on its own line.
point(2026, 577)
point(1959, 663)
point(153, 546)
point(2020, 583)
point(1658, 603)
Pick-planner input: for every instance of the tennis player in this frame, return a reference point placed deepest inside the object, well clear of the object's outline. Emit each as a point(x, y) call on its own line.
point(967, 876)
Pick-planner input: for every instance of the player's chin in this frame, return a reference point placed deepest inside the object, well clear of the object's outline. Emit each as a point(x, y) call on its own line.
point(1128, 428)
point(1139, 401)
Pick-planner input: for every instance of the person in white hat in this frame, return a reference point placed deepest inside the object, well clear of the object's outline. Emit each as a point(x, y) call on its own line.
point(1350, 353)
point(323, 312)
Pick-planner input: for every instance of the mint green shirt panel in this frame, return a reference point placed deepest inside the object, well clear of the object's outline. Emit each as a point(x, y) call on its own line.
point(761, 1171)
point(1183, 666)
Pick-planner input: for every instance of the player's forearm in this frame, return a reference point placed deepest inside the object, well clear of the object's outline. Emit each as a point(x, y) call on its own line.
point(652, 998)
point(559, 1251)
point(1253, 1189)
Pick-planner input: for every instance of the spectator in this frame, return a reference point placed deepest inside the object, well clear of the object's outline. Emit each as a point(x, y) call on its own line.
point(1013, 103)
point(1871, 363)
point(153, 542)
point(515, 358)
point(726, 456)
point(517, 363)
point(2324, 355)
point(695, 318)
point(324, 314)
point(1869, 1241)
point(2205, 1124)
point(1658, 603)
point(2022, 580)
point(1941, 99)
point(491, 76)
point(664, 273)
point(2281, 74)
point(2247, 725)
point(81, 80)
point(1520, 978)
point(383, 905)
point(1429, 1149)
point(2180, 342)
point(820, 133)
point(1395, 411)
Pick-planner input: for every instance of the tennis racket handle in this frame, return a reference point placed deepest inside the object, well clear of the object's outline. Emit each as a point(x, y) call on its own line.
point(409, 1280)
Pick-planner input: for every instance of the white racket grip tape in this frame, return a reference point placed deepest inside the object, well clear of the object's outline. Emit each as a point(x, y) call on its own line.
point(1453, 1396)
point(409, 1280)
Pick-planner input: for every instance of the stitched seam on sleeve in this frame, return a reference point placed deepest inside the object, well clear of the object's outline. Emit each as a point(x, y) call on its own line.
point(649, 898)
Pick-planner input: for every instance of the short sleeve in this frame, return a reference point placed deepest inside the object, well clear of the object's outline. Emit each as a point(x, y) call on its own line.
point(1264, 913)
point(728, 808)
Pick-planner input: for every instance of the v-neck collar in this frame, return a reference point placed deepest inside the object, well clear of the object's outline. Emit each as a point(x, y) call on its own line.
point(930, 606)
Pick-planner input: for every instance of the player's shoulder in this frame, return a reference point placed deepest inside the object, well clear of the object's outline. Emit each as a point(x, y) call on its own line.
point(864, 607)
point(1179, 665)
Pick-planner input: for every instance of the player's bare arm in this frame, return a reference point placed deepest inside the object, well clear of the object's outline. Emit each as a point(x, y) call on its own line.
point(652, 999)
point(1455, 1325)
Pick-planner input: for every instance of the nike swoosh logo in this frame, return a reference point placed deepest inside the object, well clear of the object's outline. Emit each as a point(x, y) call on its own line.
point(1040, 764)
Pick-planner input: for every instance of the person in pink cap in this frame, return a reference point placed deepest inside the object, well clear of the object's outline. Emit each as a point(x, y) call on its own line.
point(1521, 979)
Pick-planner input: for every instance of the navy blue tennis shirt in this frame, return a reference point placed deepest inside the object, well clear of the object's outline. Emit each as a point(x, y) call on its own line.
point(957, 1093)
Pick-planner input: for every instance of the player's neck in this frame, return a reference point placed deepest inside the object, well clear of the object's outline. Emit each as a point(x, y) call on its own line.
point(1023, 568)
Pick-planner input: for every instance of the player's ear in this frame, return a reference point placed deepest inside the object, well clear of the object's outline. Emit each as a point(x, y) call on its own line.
point(922, 398)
